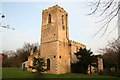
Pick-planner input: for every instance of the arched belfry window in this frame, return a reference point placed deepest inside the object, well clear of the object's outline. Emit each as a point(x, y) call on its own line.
point(48, 64)
point(49, 18)
point(62, 19)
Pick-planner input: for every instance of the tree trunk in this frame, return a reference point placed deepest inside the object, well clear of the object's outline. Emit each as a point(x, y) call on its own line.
point(90, 69)
point(117, 67)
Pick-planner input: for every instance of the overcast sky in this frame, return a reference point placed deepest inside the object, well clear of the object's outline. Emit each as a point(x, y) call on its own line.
point(26, 18)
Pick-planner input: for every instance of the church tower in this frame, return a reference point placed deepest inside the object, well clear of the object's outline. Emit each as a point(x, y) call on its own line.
point(55, 40)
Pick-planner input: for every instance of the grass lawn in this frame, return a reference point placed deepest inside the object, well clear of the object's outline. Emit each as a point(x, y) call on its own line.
point(16, 73)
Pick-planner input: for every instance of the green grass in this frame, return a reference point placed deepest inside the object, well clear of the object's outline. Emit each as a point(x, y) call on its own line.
point(16, 73)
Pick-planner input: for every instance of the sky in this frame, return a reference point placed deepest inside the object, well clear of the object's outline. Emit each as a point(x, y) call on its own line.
point(26, 18)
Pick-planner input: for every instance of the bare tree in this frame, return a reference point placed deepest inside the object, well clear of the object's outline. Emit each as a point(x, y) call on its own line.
point(108, 10)
point(112, 55)
point(31, 46)
point(16, 58)
point(24, 52)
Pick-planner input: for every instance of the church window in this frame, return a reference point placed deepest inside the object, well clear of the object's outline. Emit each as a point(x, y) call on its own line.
point(66, 19)
point(48, 64)
point(62, 19)
point(49, 18)
point(63, 27)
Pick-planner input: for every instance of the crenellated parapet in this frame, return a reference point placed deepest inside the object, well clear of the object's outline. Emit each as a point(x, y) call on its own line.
point(73, 43)
point(54, 7)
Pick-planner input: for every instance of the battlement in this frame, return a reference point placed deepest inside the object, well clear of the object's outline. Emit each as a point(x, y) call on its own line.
point(76, 43)
point(54, 7)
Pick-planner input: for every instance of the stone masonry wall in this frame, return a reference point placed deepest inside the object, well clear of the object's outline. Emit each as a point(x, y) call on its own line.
point(54, 40)
point(63, 58)
point(75, 46)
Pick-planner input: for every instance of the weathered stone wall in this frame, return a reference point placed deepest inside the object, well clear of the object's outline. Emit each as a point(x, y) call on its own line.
point(63, 58)
point(30, 61)
point(58, 28)
point(49, 33)
point(54, 40)
point(50, 51)
point(75, 46)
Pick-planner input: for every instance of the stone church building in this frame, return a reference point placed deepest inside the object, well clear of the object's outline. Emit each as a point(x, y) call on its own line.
point(56, 48)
